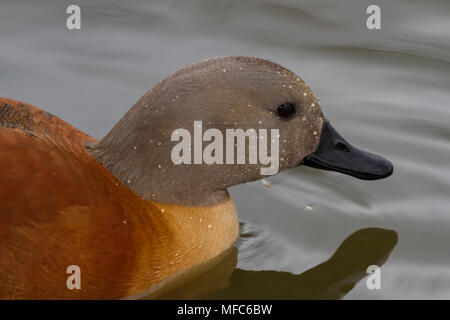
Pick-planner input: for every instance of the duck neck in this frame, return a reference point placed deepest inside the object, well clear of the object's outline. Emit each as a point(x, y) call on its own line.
point(154, 178)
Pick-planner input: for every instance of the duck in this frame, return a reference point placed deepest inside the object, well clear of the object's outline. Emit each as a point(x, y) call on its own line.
point(119, 209)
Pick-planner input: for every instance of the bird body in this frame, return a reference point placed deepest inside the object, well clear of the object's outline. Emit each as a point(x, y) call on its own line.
point(60, 207)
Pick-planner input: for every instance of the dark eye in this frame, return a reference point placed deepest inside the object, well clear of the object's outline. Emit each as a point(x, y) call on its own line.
point(286, 110)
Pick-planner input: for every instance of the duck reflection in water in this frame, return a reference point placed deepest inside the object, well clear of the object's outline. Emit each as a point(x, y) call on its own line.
point(332, 279)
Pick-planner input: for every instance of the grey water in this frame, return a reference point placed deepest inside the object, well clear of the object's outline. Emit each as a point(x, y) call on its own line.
point(385, 90)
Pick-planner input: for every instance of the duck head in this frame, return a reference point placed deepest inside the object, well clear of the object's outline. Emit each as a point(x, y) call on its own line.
point(205, 102)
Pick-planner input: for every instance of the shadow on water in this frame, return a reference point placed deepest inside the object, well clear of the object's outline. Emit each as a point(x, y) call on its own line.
point(332, 279)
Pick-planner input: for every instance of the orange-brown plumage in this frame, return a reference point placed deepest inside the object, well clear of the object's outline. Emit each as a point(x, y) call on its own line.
point(59, 206)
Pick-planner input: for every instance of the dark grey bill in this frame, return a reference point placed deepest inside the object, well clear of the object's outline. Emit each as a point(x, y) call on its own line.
point(336, 154)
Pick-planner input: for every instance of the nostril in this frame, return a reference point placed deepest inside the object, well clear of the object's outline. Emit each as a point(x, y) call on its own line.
point(342, 147)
